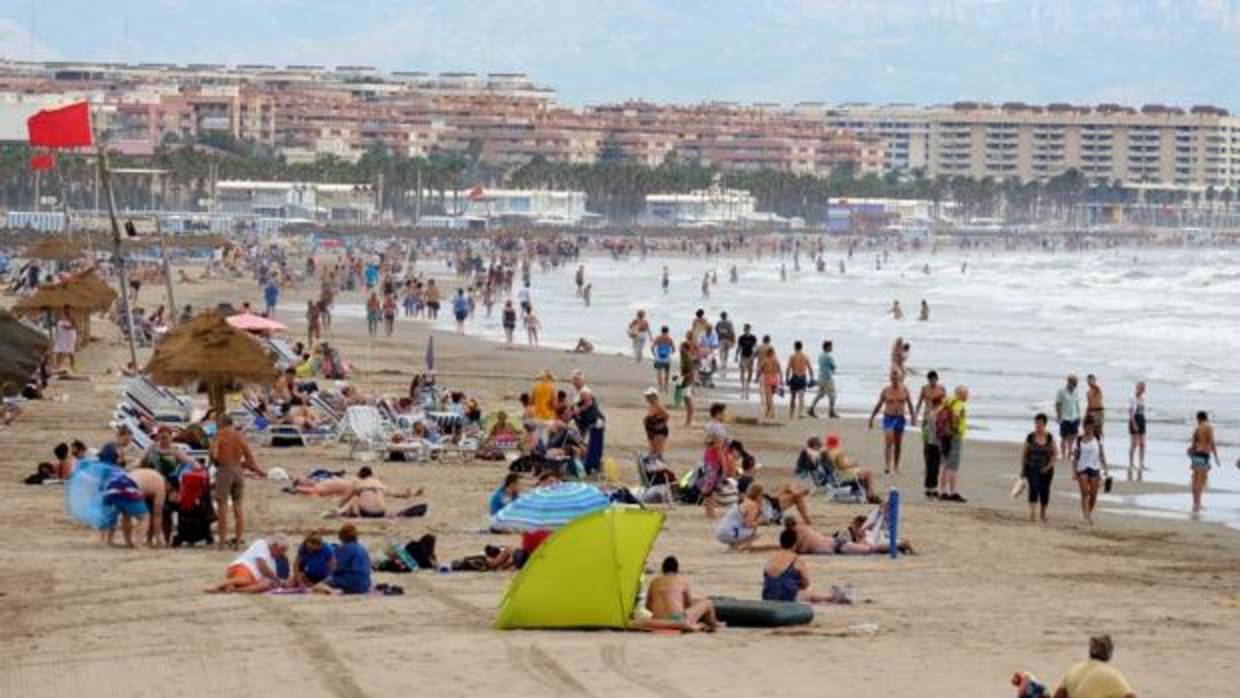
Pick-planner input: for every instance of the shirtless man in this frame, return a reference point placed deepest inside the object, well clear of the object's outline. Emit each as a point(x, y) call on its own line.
point(1093, 404)
point(671, 603)
point(897, 407)
point(929, 392)
point(800, 374)
point(1199, 452)
point(154, 490)
point(231, 454)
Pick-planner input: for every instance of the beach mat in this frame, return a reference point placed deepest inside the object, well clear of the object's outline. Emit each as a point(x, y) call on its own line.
point(744, 613)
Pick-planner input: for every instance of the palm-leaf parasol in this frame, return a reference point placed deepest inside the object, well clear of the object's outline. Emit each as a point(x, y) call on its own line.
point(55, 248)
point(210, 351)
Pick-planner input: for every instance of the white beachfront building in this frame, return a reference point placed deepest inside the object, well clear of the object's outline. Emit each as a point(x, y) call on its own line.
point(705, 207)
point(533, 206)
point(303, 200)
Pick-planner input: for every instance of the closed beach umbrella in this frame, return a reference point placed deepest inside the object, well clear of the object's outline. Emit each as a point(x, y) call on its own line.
point(21, 349)
point(210, 351)
point(550, 507)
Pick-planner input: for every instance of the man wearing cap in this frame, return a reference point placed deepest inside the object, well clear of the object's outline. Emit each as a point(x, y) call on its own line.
point(590, 423)
point(1095, 677)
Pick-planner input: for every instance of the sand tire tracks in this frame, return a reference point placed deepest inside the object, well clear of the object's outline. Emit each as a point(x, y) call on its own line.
point(334, 674)
point(615, 658)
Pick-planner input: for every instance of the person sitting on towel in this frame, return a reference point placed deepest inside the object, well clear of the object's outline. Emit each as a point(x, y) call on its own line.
point(351, 574)
point(672, 606)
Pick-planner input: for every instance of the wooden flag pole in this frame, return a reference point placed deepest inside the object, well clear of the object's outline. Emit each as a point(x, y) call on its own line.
point(118, 260)
point(163, 251)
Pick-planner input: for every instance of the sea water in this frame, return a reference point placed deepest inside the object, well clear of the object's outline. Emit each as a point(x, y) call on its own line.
point(1010, 325)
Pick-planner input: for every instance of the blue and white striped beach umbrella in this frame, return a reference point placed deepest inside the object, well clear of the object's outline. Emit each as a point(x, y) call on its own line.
point(549, 507)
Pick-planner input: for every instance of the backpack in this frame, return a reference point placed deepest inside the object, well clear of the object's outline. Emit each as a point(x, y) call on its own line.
point(944, 424)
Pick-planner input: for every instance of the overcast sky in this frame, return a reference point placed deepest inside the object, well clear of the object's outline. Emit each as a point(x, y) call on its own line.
point(920, 51)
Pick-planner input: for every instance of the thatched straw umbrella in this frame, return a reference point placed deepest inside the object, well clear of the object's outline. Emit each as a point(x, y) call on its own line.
point(83, 294)
point(209, 351)
point(55, 248)
point(21, 350)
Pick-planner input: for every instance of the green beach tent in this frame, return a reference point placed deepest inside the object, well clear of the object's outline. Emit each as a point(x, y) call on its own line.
point(586, 575)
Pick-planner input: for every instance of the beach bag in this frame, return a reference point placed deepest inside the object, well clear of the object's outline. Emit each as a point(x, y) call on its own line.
point(944, 427)
point(84, 493)
point(473, 563)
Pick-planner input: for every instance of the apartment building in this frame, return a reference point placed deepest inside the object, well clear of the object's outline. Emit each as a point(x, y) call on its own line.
point(1168, 146)
point(1155, 144)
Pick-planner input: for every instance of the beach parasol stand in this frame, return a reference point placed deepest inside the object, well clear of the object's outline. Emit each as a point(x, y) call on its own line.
point(249, 322)
point(83, 294)
point(57, 249)
point(211, 352)
point(549, 508)
point(21, 350)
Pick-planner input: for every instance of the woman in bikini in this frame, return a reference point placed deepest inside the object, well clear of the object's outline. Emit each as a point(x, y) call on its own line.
point(771, 375)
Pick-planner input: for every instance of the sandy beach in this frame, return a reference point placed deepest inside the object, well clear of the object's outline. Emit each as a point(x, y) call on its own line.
point(986, 595)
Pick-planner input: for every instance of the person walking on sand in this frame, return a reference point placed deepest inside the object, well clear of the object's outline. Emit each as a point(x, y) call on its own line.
point(1136, 433)
point(1093, 404)
point(314, 323)
point(1068, 414)
point(745, 358)
point(929, 401)
point(373, 309)
point(800, 375)
point(1199, 452)
point(671, 603)
point(896, 404)
point(1091, 464)
point(952, 426)
point(896, 312)
point(639, 333)
point(688, 374)
point(665, 281)
point(1038, 467)
point(770, 377)
point(509, 321)
point(532, 325)
point(924, 315)
point(826, 381)
point(231, 454)
point(725, 331)
point(661, 349)
point(706, 285)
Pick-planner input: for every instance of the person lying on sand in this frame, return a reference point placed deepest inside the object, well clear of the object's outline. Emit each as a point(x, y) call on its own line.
point(254, 571)
point(672, 606)
point(366, 499)
point(786, 576)
point(851, 541)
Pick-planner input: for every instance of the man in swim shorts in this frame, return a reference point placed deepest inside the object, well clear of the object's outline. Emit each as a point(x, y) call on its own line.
point(1199, 452)
point(800, 374)
point(745, 358)
point(897, 408)
point(672, 606)
point(1068, 414)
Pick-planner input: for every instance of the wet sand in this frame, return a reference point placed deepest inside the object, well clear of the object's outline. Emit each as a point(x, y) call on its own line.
point(988, 593)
